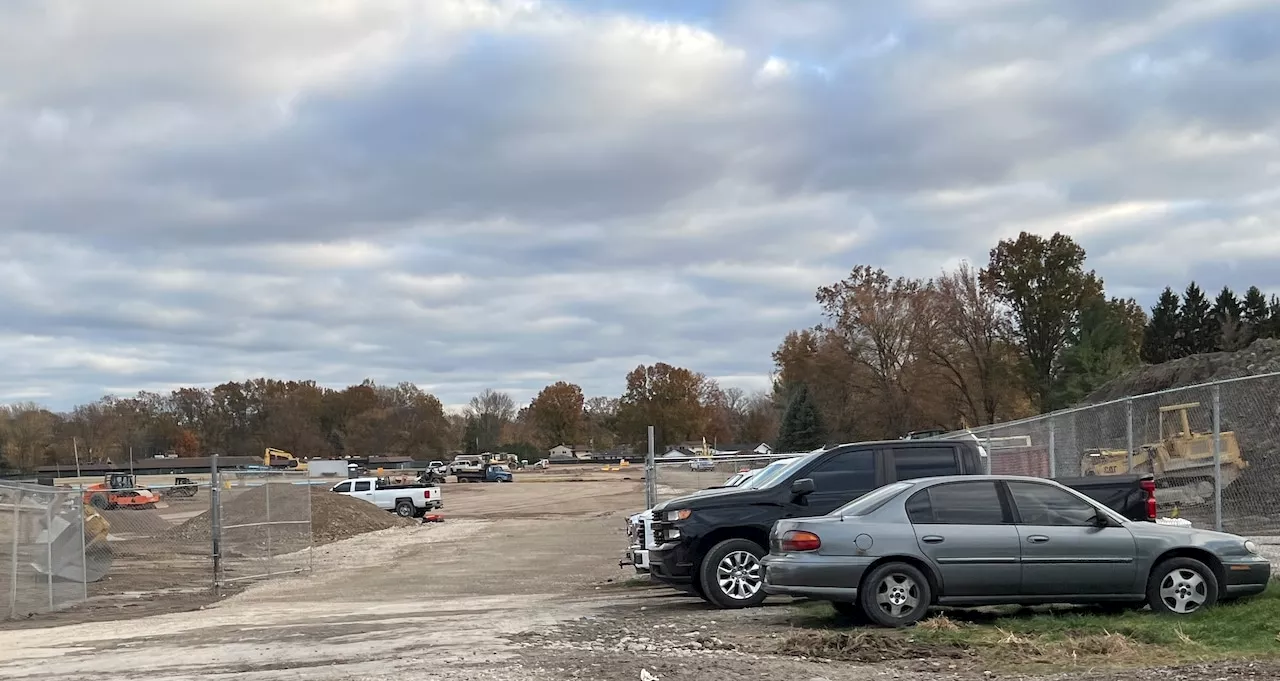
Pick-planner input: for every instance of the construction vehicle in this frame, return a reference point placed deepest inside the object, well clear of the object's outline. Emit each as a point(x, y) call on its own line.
point(290, 461)
point(119, 490)
point(1181, 461)
point(79, 551)
point(181, 487)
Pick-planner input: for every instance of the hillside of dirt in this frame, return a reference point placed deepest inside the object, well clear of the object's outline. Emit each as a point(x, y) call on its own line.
point(1261, 357)
point(333, 516)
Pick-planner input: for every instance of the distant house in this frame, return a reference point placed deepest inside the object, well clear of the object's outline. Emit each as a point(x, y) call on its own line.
point(677, 453)
point(744, 449)
point(569, 452)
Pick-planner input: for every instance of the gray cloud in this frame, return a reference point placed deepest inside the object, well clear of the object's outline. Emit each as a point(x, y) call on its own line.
point(471, 194)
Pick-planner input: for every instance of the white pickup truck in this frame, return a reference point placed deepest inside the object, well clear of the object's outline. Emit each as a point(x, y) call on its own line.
point(407, 501)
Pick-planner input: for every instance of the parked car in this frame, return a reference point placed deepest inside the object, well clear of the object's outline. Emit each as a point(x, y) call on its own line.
point(412, 500)
point(701, 538)
point(640, 525)
point(702, 465)
point(969, 541)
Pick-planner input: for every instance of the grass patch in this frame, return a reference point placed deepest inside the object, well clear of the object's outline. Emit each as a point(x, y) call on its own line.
point(1052, 636)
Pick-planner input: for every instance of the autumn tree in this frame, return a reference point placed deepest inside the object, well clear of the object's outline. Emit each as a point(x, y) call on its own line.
point(486, 415)
point(1045, 286)
point(801, 429)
point(760, 419)
point(600, 419)
point(966, 339)
point(881, 321)
point(667, 397)
point(1197, 331)
point(1160, 340)
point(557, 413)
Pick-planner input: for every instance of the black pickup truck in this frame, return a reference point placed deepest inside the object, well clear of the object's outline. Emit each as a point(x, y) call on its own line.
point(719, 536)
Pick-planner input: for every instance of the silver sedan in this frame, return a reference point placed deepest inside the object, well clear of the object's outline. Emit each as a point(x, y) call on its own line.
point(988, 540)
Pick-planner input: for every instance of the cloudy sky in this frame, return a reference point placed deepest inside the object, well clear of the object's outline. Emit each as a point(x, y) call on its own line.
point(482, 193)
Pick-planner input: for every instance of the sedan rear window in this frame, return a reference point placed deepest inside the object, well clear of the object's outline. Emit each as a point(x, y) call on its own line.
point(872, 500)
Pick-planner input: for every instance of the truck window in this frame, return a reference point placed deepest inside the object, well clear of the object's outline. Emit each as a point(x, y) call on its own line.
point(343, 487)
point(362, 486)
point(847, 472)
point(925, 462)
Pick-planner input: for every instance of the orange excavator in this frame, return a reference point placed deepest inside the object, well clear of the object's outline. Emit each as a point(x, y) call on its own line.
point(119, 490)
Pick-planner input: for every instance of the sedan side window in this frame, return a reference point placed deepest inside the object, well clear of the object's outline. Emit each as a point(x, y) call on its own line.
point(965, 503)
point(919, 508)
point(1046, 505)
point(847, 472)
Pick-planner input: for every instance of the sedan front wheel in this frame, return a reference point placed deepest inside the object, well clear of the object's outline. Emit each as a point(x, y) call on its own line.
point(1181, 586)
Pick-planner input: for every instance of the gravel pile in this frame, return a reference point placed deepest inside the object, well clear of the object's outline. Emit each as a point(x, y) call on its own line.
point(334, 517)
point(1261, 357)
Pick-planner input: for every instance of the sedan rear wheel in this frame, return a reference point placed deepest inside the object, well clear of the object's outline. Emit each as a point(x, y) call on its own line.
point(731, 574)
point(895, 595)
point(1181, 586)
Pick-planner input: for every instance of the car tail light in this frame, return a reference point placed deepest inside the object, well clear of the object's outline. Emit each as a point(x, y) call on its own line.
point(426, 494)
point(1149, 487)
point(800, 541)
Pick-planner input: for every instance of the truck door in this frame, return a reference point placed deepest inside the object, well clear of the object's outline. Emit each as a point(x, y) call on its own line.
point(363, 489)
point(837, 480)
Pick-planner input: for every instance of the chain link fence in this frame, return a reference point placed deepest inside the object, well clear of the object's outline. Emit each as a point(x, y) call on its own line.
point(1213, 448)
point(145, 536)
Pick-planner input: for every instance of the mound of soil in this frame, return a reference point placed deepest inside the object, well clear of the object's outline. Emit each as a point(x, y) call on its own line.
point(1261, 357)
point(334, 517)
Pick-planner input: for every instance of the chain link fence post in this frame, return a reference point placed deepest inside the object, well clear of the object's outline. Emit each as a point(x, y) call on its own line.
point(215, 523)
point(650, 475)
point(269, 519)
point(1217, 457)
point(1128, 417)
point(1053, 451)
point(13, 564)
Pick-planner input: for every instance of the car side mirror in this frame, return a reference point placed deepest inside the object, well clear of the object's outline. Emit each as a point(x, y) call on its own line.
point(1101, 519)
point(802, 487)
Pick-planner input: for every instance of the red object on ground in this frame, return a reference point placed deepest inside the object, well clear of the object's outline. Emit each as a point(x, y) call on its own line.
point(433, 518)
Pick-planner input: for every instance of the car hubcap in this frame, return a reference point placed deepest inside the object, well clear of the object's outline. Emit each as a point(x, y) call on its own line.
point(1183, 591)
point(898, 595)
point(739, 575)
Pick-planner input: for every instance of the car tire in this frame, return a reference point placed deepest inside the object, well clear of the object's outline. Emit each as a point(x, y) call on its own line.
point(895, 595)
point(731, 574)
point(1181, 586)
point(405, 509)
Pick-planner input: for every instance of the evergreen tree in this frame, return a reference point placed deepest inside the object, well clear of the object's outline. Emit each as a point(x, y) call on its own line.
point(1196, 329)
point(1160, 337)
point(1271, 328)
point(801, 428)
point(1099, 352)
point(1254, 312)
point(1229, 333)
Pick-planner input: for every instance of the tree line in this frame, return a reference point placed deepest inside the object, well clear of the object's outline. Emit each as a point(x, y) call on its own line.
point(1031, 331)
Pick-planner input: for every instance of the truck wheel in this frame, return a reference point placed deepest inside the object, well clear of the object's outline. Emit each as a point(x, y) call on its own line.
point(405, 509)
point(895, 595)
point(731, 576)
point(1181, 586)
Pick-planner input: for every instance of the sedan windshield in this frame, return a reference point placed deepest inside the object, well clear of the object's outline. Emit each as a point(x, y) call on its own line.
point(872, 500)
point(776, 472)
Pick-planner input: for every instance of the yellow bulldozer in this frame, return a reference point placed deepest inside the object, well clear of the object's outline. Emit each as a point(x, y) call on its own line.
point(75, 559)
point(1181, 460)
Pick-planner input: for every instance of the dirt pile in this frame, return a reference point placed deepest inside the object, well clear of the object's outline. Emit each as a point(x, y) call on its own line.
point(334, 517)
point(1261, 357)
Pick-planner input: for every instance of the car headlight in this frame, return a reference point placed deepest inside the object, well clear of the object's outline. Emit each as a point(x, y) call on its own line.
point(1251, 547)
point(682, 514)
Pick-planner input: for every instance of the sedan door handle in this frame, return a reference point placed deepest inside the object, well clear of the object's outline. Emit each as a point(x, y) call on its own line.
point(931, 539)
point(1037, 539)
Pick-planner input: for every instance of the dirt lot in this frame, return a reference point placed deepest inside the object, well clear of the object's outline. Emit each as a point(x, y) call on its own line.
point(520, 583)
